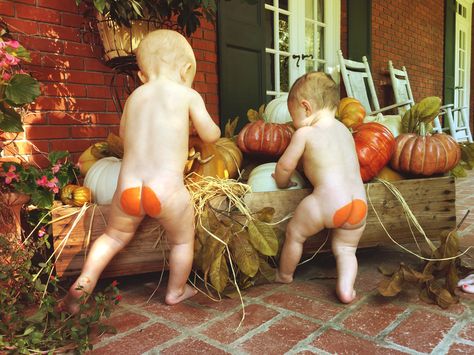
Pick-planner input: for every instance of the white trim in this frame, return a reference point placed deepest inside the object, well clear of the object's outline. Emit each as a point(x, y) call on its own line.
point(333, 44)
point(468, 53)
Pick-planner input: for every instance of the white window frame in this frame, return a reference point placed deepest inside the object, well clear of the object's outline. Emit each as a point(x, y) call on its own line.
point(332, 40)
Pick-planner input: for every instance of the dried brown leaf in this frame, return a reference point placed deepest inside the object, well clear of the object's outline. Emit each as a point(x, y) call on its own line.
point(252, 115)
point(115, 145)
point(386, 270)
point(219, 273)
point(263, 238)
point(391, 287)
point(265, 214)
point(243, 253)
point(230, 127)
point(214, 248)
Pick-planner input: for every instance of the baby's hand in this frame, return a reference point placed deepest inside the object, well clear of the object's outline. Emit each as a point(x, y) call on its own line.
point(290, 183)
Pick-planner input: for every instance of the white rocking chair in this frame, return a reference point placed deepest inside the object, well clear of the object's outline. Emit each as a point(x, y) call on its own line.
point(458, 128)
point(360, 85)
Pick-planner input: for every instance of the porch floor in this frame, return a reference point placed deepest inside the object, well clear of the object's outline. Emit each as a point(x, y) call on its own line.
point(302, 318)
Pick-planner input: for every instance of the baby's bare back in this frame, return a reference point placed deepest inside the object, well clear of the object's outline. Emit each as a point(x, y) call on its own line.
point(155, 130)
point(330, 160)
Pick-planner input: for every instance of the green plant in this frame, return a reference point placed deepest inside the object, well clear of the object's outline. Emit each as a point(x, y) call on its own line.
point(42, 184)
point(30, 321)
point(17, 88)
point(186, 12)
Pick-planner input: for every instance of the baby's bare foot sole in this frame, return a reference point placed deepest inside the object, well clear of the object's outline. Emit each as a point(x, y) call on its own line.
point(172, 299)
point(282, 278)
point(346, 297)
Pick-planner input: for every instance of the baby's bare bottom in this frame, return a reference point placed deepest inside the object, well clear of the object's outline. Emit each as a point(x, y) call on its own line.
point(178, 222)
point(306, 222)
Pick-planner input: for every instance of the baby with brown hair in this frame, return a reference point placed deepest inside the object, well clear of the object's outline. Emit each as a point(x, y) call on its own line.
point(330, 162)
point(155, 129)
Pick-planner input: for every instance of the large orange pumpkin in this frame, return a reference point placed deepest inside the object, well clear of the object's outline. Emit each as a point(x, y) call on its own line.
point(222, 159)
point(264, 138)
point(425, 155)
point(350, 111)
point(375, 145)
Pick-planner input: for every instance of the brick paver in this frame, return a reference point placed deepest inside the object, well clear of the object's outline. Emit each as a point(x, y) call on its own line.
point(304, 317)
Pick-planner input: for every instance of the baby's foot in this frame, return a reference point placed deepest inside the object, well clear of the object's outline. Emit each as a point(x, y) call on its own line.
point(283, 278)
point(174, 298)
point(345, 296)
point(71, 303)
point(467, 284)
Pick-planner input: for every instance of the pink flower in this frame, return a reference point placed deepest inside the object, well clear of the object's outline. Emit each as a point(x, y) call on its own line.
point(41, 232)
point(12, 43)
point(52, 185)
point(10, 175)
point(114, 283)
point(118, 298)
point(56, 168)
point(11, 59)
point(6, 76)
point(43, 181)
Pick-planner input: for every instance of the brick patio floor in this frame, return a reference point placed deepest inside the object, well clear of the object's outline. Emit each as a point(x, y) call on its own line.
point(302, 318)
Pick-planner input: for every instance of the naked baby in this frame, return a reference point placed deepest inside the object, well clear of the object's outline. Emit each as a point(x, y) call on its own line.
point(154, 128)
point(330, 162)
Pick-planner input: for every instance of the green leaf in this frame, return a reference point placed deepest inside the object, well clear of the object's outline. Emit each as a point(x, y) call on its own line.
point(99, 5)
point(22, 89)
point(10, 121)
point(38, 317)
point(54, 156)
point(263, 238)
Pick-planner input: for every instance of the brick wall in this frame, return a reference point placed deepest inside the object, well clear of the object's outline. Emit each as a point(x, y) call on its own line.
point(76, 107)
point(410, 33)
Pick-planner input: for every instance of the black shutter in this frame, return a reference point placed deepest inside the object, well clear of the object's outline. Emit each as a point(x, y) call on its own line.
point(359, 27)
point(241, 51)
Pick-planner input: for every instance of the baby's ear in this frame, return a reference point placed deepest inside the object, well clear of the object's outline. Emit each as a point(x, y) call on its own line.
point(185, 69)
point(142, 77)
point(307, 107)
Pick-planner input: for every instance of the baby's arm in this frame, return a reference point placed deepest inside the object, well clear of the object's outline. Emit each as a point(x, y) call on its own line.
point(207, 130)
point(289, 160)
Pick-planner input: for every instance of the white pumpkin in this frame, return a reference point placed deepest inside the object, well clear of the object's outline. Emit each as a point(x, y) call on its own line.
point(102, 179)
point(261, 180)
point(392, 122)
point(277, 110)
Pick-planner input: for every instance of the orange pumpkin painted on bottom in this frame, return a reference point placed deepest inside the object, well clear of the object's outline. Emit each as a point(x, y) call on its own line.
point(353, 213)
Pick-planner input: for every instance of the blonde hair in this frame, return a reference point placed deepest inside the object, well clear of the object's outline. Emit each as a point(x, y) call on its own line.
point(316, 87)
point(164, 47)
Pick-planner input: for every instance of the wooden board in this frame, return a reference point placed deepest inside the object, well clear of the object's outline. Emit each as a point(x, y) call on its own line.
point(431, 200)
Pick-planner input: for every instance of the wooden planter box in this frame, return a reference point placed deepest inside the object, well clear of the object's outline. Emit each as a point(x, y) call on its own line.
point(431, 200)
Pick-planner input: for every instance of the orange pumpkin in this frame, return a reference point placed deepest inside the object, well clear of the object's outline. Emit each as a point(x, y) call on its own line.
point(350, 111)
point(75, 195)
point(264, 138)
point(374, 146)
point(222, 159)
point(425, 155)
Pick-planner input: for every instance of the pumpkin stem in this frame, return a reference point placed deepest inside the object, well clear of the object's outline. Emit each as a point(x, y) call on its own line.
point(197, 156)
point(423, 130)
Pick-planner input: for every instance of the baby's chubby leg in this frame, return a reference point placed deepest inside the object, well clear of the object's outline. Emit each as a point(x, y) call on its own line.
point(306, 222)
point(344, 246)
point(120, 230)
point(178, 222)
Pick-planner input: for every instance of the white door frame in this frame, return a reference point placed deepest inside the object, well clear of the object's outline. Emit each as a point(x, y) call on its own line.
point(467, 27)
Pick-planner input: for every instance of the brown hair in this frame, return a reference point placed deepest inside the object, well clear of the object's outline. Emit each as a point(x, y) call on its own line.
point(316, 87)
point(164, 47)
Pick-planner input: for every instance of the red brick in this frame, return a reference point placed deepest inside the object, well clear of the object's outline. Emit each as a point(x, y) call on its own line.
point(50, 103)
point(321, 289)
point(225, 330)
point(60, 61)
point(34, 117)
point(138, 342)
point(64, 5)
point(60, 32)
point(468, 332)
point(108, 118)
point(94, 64)
point(99, 91)
point(25, 26)
point(372, 318)
point(63, 89)
point(43, 44)
point(39, 159)
point(309, 307)
point(7, 8)
point(81, 49)
point(46, 132)
point(191, 346)
point(37, 14)
point(223, 305)
point(425, 331)
point(48, 74)
point(88, 132)
point(90, 105)
point(182, 313)
point(124, 322)
point(72, 145)
point(85, 78)
point(74, 118)
point(461, 349)
point(336, 342)
point(280, 336)
point(31, 147)
point(74, 20)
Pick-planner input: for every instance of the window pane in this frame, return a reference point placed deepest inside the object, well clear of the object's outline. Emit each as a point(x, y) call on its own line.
point(269, 2)
point(309, 9)
point(309, 38)
point(284, 74)
point(309, 65)
point(283, 4)
point(270, 74)
point(269, 40)
point(283, 33)
point(320, 10)
point(320, 42)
